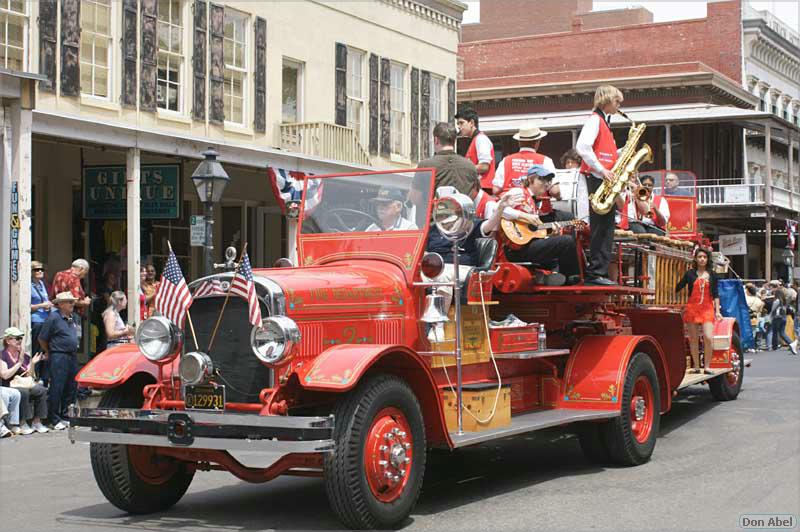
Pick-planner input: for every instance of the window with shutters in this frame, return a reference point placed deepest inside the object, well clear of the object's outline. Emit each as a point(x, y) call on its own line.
point(96, 51)
point(235, 56)
point(13, 34)
point(436, 106)
point(355, 90)
point(292, 94)
point(398, 106)
point(169, 93)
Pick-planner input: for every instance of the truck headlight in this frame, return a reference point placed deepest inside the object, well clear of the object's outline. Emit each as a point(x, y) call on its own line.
point(195, 367)
point(275, 340)
point(157, 338)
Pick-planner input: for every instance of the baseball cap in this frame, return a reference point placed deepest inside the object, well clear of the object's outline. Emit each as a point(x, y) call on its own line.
point(390, 194)
point(539, 170)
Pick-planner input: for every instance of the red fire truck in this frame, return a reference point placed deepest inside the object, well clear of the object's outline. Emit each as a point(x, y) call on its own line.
point(344, 380)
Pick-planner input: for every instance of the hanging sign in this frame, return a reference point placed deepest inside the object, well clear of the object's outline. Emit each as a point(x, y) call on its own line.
point(14, 232)
point(104, 192)
point(197, 231)
point(733, 244)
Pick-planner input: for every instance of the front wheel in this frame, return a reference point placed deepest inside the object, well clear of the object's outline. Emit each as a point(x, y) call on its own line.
point(726, 387)
point(631, 438)
point(133, 477)
point(374, 477)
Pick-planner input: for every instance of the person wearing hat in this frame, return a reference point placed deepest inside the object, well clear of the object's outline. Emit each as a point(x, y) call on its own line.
point(481, 149)
point(59, 339)
point(15, 363)
point(389, 205)
point(557, 251)
point(40, 310)
point(514, 168)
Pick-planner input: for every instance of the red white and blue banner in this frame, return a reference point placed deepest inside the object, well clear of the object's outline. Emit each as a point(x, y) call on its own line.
point(287, 186)
point(791, 233)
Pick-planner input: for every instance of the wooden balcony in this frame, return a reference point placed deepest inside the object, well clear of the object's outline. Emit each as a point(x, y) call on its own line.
point(322, 139)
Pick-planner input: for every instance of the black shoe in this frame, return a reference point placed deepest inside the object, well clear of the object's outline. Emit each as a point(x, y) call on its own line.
point(573, 279)
point(600, 281)
point(550, 279)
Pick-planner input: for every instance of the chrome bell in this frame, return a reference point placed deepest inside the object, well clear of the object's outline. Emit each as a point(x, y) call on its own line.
point(434, 309)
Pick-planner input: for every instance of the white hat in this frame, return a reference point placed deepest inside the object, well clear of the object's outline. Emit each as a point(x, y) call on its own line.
point(528, 131)
point(63, 297)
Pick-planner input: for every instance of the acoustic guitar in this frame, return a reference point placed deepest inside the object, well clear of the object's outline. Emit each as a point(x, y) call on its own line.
point(520, 233)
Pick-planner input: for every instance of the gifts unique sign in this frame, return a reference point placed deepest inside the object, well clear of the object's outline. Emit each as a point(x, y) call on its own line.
point(104, 192)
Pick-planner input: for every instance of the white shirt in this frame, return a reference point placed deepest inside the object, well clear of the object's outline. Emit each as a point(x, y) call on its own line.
point(663, 208)
point(500, 172)
point(484, 148)
point(585, 144)
point(401, 224)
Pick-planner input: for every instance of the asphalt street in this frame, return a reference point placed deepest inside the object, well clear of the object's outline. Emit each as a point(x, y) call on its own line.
point(713, 463)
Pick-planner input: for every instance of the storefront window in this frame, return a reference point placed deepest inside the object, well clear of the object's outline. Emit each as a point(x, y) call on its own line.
point(170, 55)
point(13, 23)
point(176, 232)
point(234, 51)
point(96, 47)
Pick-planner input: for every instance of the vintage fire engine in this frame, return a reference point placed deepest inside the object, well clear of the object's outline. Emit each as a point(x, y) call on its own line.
point(341, 380)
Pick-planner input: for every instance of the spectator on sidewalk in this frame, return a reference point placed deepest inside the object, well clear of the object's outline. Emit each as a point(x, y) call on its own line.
point(150, 289)
point(16, 366)
point(40, 309)
point(59, 338)
point(10, 398)
point(778, 314)
point(70, 281)
point(116, 330)
point(755, 307)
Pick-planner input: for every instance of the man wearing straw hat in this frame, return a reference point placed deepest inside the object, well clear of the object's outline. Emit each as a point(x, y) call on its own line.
point(514, 168)
point(59, 339)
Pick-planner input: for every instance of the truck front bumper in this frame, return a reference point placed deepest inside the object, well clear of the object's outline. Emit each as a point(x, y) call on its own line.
point(194, 429)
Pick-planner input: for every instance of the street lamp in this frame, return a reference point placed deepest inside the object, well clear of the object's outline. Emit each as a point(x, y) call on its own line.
point(788, 260)
point(210, 180)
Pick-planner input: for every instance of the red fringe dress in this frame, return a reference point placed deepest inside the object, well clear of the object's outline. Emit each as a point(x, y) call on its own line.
point(700, 307)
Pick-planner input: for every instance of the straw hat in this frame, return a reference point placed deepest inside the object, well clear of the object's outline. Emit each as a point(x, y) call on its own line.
point(36, 265)
point(529, 132)
point(64, 297)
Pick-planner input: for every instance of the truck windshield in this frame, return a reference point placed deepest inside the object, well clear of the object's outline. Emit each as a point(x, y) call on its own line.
point(370, 203)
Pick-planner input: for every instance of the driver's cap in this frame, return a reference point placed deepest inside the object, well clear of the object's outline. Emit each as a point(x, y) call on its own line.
point(390, 194)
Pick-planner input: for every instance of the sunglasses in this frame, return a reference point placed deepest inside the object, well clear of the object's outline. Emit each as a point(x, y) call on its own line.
point(38, 269)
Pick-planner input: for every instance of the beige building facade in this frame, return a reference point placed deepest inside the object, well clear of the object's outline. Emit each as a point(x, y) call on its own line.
point(129, 93)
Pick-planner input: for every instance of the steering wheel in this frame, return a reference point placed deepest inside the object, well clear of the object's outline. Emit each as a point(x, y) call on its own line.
point(343, 220)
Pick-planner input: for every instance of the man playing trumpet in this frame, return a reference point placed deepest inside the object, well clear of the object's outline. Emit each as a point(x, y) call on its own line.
point(645, 212)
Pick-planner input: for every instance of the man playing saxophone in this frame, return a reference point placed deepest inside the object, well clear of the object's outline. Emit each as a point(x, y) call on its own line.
point(597, 148)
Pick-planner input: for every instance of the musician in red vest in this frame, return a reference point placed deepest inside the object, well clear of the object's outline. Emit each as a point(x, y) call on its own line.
point(514, 168)
point(557, 251)
point(481, 149)
point(597, 148)
point(650, 216)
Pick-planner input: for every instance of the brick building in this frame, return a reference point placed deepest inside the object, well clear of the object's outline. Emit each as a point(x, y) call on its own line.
point(685, 79)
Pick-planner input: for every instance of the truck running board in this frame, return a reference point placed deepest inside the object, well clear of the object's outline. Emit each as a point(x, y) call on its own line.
point(690, 379)
point(530, 422)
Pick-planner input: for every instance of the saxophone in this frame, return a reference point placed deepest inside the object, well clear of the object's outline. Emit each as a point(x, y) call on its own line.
point(602, 201)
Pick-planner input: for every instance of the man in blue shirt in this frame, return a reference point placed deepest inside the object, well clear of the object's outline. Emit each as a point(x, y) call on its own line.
point(59, 339)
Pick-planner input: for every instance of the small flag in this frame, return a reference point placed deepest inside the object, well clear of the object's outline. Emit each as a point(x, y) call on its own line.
point(791, 233)
point(173, 298)
point(209, 288)
point(243, 286)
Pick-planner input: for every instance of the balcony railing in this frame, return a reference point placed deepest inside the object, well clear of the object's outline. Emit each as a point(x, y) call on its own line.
point(323, 139)
point(745, 194)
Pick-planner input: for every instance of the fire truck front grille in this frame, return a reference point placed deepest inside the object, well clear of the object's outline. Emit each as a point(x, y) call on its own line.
point(234, 362)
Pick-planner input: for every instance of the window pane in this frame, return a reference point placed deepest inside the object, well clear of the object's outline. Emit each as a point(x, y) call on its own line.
point(173, 97)
point(176, 12)
point(86, 79)
point(16, 5)
point(289, 97)
point(227, 53)
point(228, 28)
point(103, 20)
point(163, 10)
point(101, 82)
point(238, 56)
point(163, 37)
point(101, 52)
point(236, 110)
point(176, 39)
point(87, 15)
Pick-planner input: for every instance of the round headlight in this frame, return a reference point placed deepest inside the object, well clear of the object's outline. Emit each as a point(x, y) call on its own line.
point(275, 340)
point(157, 338)
point(454, 216)
point(195, 367)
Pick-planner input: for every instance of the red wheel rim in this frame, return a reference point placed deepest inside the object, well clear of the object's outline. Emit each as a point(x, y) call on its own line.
point(150, 467)
point(388, 454)
point(736, 368)
point(641, 409)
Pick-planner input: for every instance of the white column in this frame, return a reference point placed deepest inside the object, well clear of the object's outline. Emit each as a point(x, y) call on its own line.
point(768, 155)
point(668, 142)
point(5, 214)
point(21, 119)
point(133, 185)
point(791, 171)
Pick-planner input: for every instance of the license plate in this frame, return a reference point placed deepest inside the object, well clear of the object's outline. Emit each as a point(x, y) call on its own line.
point(204, 397)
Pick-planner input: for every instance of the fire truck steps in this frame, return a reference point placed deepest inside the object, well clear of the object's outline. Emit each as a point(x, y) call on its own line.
point(690, 379)
point(530, 422)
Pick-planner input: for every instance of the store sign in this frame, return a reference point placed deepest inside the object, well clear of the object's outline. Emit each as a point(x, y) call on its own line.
point(15, 225)
point(105, 190)
point(197, 231)
point(733, 244)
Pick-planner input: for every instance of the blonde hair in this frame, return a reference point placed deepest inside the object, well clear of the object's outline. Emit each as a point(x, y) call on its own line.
point(605, 94)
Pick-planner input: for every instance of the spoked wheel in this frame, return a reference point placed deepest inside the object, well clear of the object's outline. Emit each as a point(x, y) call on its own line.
point(631, 438)
point(374, 477)
point(133, 477)
point(726, 387)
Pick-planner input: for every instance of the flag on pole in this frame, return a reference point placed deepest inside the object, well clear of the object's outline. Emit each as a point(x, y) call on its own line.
point(243, 286)
point(173, 298)
point(212, 287)
point(791, 233)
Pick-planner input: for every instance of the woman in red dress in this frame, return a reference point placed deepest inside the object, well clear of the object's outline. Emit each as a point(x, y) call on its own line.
point(702, 309)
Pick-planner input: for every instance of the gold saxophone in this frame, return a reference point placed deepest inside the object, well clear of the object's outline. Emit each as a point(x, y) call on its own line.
point(602, 201)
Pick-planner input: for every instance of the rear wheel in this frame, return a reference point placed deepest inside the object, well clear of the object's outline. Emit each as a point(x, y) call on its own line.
point(133, 477)
point(726, 387)
point(631, 437)
point(374, 477)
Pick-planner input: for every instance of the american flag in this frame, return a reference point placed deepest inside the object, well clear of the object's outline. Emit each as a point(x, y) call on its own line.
point(173, 298)
point(243, 286)
point(209, 288)
point(791, 233)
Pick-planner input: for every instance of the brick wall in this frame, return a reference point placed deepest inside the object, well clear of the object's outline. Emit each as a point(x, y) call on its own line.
point(615, 17)
point(714, 41)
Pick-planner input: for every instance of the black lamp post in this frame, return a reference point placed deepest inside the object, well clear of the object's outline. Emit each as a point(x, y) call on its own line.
point(210, 180)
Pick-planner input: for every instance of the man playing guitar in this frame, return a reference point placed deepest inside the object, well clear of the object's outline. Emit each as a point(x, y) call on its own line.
point(554, 251)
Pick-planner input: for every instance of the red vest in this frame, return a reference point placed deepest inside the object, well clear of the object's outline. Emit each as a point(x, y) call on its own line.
point(516, 166)
point(529, 206)
point(624, 216)
point(472, 155)
point(481, 200)
point(604, 147)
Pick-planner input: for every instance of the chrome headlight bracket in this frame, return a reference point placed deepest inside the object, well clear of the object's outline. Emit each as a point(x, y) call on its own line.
point(275, 340)
point(195, 367)
point(157, 339)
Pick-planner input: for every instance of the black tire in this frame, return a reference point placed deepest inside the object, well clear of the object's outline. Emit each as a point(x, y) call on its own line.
point(346, 484)
point(623, 448)
point(590, 437)
point(721, 387)
point(118, 479)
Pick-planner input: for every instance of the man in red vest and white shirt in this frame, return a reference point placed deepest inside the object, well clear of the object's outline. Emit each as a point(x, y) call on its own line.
point(513, 169)
point(645, 216)
point(481, 149)
point(597, 148)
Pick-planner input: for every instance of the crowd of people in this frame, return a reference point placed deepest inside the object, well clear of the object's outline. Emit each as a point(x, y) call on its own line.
point(38, 384)
point(772, 307)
